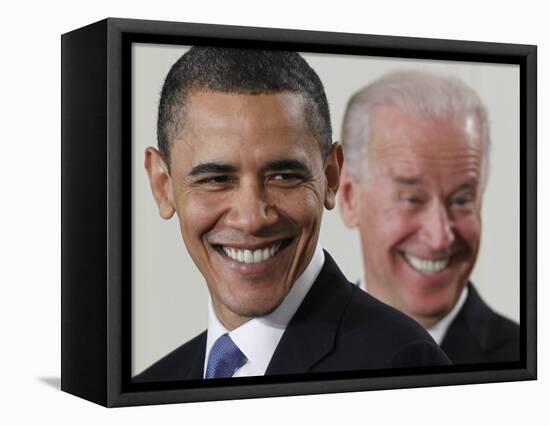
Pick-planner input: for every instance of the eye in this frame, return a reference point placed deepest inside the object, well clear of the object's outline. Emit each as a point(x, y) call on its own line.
point(285, 179)
point(284, 176)
point(461, 201)
point(412, 200)
point(215, 180)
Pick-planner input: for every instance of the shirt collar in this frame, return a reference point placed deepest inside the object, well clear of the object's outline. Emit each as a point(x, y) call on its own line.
point(258, 338)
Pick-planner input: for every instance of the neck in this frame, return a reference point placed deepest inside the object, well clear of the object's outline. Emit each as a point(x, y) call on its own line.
point(427, 321)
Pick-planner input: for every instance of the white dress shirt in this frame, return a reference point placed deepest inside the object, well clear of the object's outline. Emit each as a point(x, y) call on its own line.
point(439, 329)
point(258, 338)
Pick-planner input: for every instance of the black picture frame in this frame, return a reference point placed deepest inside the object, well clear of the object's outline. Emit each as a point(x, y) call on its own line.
point(96, 207)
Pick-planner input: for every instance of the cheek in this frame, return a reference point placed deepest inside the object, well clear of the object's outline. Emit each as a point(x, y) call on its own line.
point(382, 229)
point(469, 231)
point(300, 206)
point(398, 228)
point(197, 214)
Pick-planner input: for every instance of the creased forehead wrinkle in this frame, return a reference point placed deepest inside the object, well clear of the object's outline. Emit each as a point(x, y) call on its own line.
point(403, 146)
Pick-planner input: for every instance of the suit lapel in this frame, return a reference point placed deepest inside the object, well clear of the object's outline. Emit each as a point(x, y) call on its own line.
point(470, 325)
point(196, 366)
point(311, 333)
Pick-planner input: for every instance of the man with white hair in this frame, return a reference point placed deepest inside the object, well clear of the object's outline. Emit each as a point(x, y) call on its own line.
point(416, 147)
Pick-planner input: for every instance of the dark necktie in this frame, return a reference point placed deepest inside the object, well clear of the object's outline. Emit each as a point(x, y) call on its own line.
point(224, 359)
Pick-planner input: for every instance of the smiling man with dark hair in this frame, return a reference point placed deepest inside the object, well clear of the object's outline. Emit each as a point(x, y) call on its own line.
point(246, 163)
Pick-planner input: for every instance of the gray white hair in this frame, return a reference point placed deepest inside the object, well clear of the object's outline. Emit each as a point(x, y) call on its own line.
point(417, 93)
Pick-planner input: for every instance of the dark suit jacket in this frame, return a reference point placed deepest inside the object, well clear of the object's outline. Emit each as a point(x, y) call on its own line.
point(478, 334)
point(337, 327)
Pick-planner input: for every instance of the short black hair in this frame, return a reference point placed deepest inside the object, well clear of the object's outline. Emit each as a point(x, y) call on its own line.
point(244, 71)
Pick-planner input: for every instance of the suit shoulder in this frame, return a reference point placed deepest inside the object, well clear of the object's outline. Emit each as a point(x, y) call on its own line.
point(373, 335)
point(495, 329)
point(479, 334)
point(368, 312)
point(505, 327)
point(180, 364)
point(502, 337)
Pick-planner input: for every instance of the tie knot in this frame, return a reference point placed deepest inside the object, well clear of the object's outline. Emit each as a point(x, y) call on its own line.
point(224, 359)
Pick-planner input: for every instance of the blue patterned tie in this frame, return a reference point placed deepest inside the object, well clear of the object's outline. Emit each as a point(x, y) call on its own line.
point(224, 359)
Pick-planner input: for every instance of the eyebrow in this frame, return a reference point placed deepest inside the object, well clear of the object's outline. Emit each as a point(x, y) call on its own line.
point(470, 184)
point(207, 168)
point(410, 181)
point(278, 165)
point(287, 164)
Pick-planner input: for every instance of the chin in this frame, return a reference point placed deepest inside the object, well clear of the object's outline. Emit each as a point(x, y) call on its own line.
point(432, 307)
point(257, 307)
point(255, 311)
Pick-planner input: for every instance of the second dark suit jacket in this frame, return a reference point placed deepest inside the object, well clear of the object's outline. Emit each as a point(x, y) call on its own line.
point(478, 334)
point(338, 327)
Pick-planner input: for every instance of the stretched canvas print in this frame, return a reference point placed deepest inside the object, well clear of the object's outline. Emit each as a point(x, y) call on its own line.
point(256, 212)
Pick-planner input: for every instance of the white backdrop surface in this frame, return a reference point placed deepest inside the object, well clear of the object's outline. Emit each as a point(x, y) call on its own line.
point(30, 226)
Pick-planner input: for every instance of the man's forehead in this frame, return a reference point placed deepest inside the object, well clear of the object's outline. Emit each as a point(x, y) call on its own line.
point(218, 124)
point(393, 130)
point(418, 148)
point(417, 164)
point(225, 109)
point(240, 154)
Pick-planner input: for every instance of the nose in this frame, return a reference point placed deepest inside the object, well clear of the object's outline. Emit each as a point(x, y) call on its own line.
point(250, 209)
point(437, 228)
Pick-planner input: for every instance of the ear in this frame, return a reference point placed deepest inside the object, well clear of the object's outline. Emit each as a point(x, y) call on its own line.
point(333, 167)
point(349, 193)
point(161, 182)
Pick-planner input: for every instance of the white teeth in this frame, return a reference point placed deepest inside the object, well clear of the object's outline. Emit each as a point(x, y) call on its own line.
point(249, 256)
point(426, 266)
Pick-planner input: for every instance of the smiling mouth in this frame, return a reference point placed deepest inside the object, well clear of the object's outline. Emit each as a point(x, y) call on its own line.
point(427, 266)
point(252, 255)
